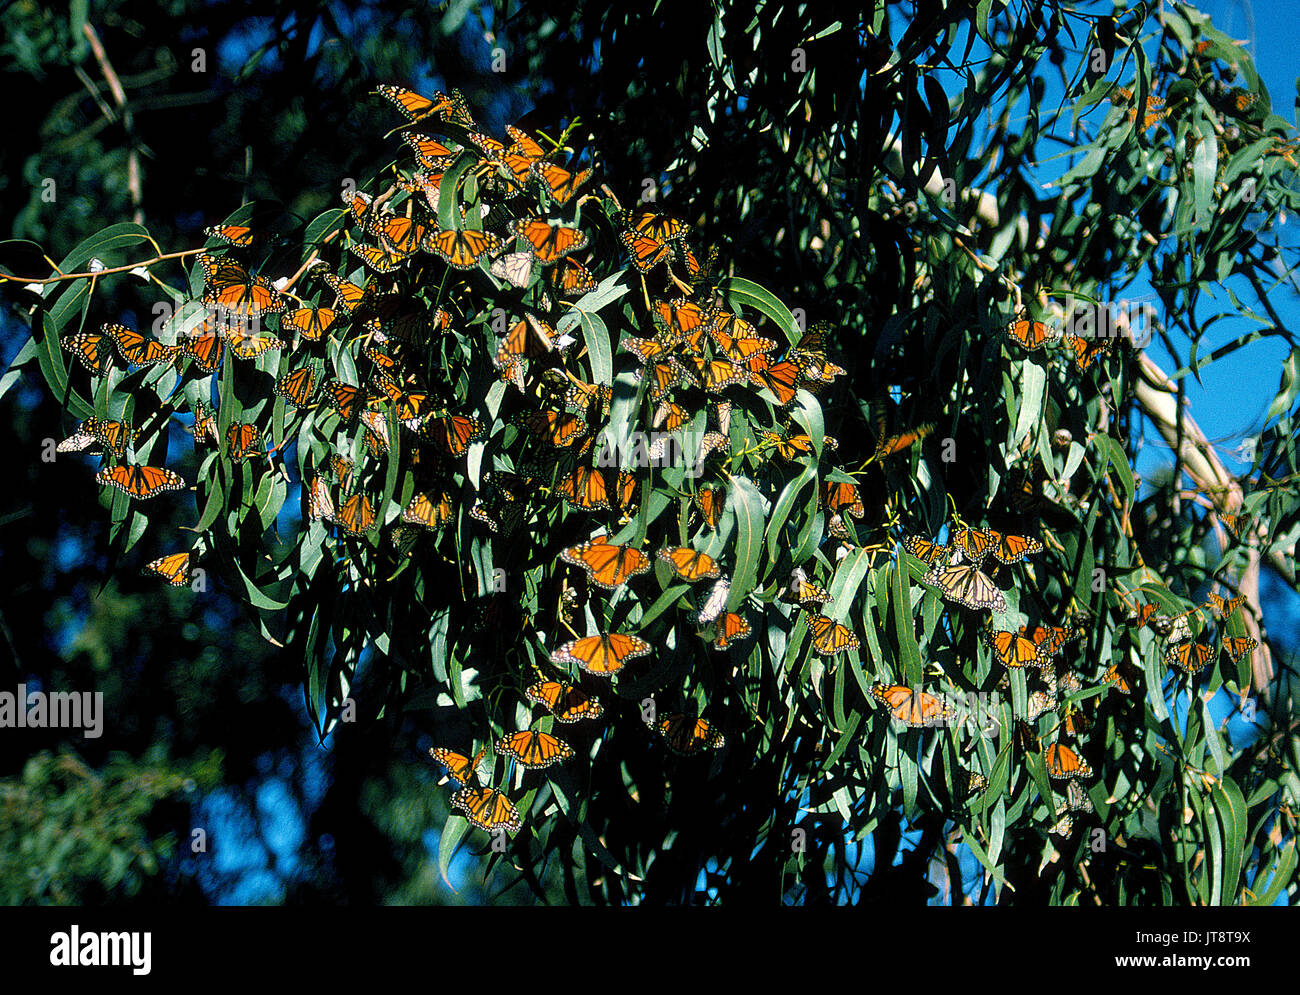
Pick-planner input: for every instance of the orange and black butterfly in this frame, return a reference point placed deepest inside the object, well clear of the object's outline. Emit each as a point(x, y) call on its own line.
point(231, 288)
point(711, 501)
point(1238, 646)
point(429, 510)
point(528, 338)
point(1234, 524)
point(626, 491)
point(534, 750)
point(460, 768)
point(90, 350)
point(687, 735)
point(1224, 607)
point(716, 375)
point(349, 296)
point(550, 243)
point(603, 655)
point(243, 439)
point(567, 702)
point(1155, 108)
point(810, 356)
point(586, 488)
point(430, 152)
point(205, 345)
point(356, 515)
point(1114, 676)
point(647, 251)
point(453, 434)
point(925, 550)
point(488, 809)
point(140, 481)
point(1190, 657)
point(398, 235)
point(829, 637)
point(112, 435)
point(379, 259)
point(913, 708)
point(205, 425)
point(320, 502)
point(134, 348)
point(557, 428)
point(1064, 763)
point(689, 564)
point(738, 339)
point(1088, 348)
point(562, 183)
point(416, 107)
point(890, 445)
point(463, 248)
point(1049, 639)
point(781, 378)
point(975, 544)
point(243, 345)
point(966, 585)
point(1013, 549)
point(311, 323)
point(839, 495)
point(344, 398)
point(607, 565)
point(658, 226)
point(1030, 334)
point(240, 236)
point(683, 321)
point(173, 568)
point(298, 387)
point(1014, 650)
point(804, 591)
point(569, 278)
point(730, 628)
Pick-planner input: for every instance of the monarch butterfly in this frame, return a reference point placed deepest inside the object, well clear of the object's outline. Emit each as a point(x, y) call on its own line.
point(567, 702)
point(663, 377)
point(578, 394)
point(462, 248)
point(376, 431)
point(1014, 650)
point(243, 440)
point(344, 398)
point(205, 346)
point(683, 320)
point(1064, 824)
point(348, 296)
point(603, 655)
point(658, 226)
point(913, 708)
point(975, 544)
point(398, 235)
point(806, 592)
point(585, 488)
point(530, 338)
point(647, 251)
point(829, 637)
point(810, 356)
point(607, 565)
point(738, 339)
point(717, 375)
point(1086, 349)
point(1234, 524)
point(430, 152)
point(298, 386)
point(838, 495)
point(516, 268)
point(1238, 646)
point(1064, 763)
point(788, 446)
point(381, 260)
point(1224, 607)
point(1039, 703)
point(558, 428)
point(967, 586)
point(1190, 658)
point(415, 107)
point(626, 491)
point(357, 515)
point(1049, 639)
point(173, 568)
point(711, 501)
point(729, 629)
point(561, 183)
point(453, 434)
point(1013, 549)
point(238, 235)
point(925, 550)
point(1030, 334)
point(205, 425)
point(341, 468)
point(534, 750)
point(525, 144)
point(139, 481)
point(134, 348)
point(232, 289)
point(320, 504)
point(89, 349)
point(687, 735)
point(689, 564)
point(550, 242)
point(1076, 798)
point(1155, 107)
point(488, 809)
point(647, 350)
point(460, 768)
point(431, 512)
point(248, 346)
point(781, 378)
point(1115, 678)
point(113, 435)
point(569, 278)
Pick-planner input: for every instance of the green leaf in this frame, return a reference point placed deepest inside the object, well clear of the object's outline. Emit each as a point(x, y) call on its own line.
point(749, 293)
point(747, 504)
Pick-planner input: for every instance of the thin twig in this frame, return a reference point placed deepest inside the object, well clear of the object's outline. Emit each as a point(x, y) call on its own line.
point(133, 181)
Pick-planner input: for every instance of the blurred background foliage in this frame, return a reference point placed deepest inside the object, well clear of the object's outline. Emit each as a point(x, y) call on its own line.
point(812, 183)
